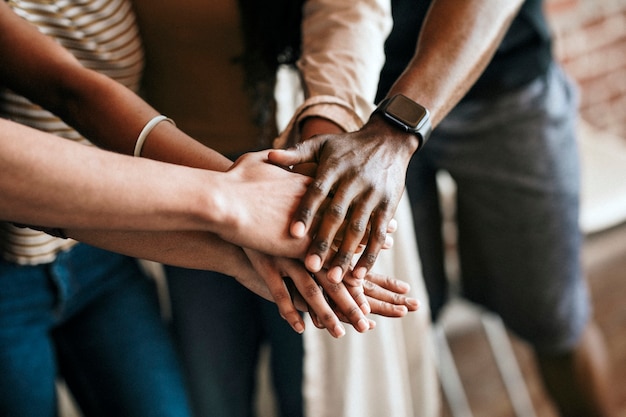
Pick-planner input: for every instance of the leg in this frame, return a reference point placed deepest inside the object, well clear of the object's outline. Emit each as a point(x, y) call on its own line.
point(217, 328)
point(516, 167)
point(422, 190)
point(577, 380)
point(114, 350)
point(27, 356)
point(287, 352)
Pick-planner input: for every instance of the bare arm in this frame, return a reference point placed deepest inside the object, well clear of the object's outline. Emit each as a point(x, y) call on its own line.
point(366, 170)
point(249, 205)
point(457, 41)
point(107, 113)
point(44, 178)
point(206, 251)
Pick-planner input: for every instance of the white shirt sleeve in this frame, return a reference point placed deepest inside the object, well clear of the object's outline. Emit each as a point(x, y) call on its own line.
point(342, 56)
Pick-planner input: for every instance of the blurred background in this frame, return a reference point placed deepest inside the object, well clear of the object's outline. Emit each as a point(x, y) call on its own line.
point(591, 44)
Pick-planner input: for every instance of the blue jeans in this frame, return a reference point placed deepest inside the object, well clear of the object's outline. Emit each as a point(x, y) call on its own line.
point(220, 326)
point(92, 318)
point(515, 163)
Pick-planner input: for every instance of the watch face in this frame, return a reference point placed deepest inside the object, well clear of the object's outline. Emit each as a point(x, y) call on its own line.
point(406, 111)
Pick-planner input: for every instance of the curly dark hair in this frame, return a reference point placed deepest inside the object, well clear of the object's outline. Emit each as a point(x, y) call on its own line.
point(272, 37)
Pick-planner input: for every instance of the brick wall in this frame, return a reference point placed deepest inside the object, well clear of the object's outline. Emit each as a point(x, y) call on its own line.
point(591, 44)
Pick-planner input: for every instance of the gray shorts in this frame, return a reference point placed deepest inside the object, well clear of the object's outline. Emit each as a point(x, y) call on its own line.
point(515, 163)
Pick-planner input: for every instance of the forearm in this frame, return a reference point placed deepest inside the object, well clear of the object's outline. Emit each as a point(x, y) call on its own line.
point(45, 178)
point(457, 41)
point(189, 249)
point(51, 182)
point(102, 110)
point(112, 117)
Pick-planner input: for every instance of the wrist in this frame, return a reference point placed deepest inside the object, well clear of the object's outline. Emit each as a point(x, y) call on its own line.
point(314, 125)
point(209, 204)
point(406, 115)
point(405, 140)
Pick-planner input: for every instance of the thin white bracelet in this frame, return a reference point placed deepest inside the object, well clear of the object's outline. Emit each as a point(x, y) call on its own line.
point(147, 129)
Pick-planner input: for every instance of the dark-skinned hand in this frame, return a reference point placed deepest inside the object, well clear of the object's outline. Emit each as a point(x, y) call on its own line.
point(363, 174)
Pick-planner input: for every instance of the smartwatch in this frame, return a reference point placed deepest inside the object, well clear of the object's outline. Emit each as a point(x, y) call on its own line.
point(406, 114)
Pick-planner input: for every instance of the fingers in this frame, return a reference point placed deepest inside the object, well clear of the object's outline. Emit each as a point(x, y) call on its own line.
point(279, 290)
point(386, 296)
point(301, 153)
point(357, 227)
point(304, 152)
point(352, 307)
point(377, 239)
point(310, 291)
point(331, 223)
point(310, 203)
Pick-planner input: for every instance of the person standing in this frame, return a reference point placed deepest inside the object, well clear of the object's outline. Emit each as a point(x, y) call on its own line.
point(70, 309)
point(482, 77)
point(233, 112)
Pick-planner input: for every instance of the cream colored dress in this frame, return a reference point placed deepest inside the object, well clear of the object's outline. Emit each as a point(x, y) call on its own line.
point(388, 371)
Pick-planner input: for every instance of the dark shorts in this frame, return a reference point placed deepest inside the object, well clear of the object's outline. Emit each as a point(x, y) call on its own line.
point(514, 161)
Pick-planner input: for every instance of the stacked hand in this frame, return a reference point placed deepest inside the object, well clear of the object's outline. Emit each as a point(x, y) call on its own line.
point(329, 299)
point(294, 288)
point(363, 174)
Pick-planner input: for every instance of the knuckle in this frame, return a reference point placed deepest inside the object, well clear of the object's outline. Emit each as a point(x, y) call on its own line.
point(380, 234)
point(281, 296)
point(368, 286)
point(388, 282)
point(369, 259)
point(336, 211)
point(332, 287)
point(385, 203)
point(343, 258)
point(354, 312)
point(398, 299)
point(358, 226)
point(321, 246)
point(327, 317)
point(333, 163)
point(318, 187)
point(359, 297)
point(311, 290)
point(306, 213)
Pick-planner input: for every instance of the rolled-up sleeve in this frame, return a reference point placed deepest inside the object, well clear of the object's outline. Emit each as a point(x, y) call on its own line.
point(342, 56)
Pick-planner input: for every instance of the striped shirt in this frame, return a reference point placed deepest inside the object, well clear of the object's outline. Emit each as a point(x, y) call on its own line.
point(103, 36)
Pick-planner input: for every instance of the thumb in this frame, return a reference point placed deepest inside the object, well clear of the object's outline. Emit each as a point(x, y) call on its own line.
point(302, 152)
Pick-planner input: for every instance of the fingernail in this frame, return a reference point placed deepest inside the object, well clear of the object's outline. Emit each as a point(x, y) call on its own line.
point(298, 327)
point(339, 331)
point(363, 325)
point(401, 309)
point(388, 241)
point(412, 303)
point(298, 229)
point(314, 263)
point(360, 272)
point(335, 274)
point(365, 308)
